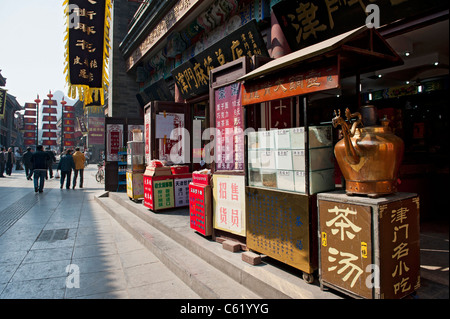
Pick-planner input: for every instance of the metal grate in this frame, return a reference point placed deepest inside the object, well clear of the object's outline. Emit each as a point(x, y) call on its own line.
point(11, 214)
point(52, 235)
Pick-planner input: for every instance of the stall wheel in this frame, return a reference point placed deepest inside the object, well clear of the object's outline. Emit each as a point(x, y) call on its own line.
point(309, 278)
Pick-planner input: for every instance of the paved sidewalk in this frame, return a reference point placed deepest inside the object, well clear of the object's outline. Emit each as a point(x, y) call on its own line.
point(47, 239)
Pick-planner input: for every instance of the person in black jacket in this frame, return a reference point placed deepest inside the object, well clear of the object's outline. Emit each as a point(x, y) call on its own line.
point(66, 165)
point(10, 160)
point(2, 161)
point(39, 161)
point(50, 162)
point(26, 158)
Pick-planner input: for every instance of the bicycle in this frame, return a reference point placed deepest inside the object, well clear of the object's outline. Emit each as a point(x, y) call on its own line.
point(100, 175)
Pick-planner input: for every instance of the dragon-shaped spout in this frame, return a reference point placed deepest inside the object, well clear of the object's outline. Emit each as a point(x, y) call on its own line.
point(348, 131)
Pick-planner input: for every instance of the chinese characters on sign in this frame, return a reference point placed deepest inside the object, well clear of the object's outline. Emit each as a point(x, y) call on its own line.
point(192, 77)
point(230, 128)
point(346, 249)
point(200, 208)
point(229, 203)
point(158, 192)
point(96, 131)
point(278, 226)
point(371, 250)
point(286, 85)
point(2, 102)
point(87, 48)
point(114, 140)
point(400, 224)
point(305, 23)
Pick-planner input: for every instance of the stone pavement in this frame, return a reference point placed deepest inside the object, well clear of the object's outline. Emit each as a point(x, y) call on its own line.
point(47, 239)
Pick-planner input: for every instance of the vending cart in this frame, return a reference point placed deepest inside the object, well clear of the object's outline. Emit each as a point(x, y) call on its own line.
point(135, 170)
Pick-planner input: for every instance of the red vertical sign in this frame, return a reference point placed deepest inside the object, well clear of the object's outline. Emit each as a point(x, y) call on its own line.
point(229, 128)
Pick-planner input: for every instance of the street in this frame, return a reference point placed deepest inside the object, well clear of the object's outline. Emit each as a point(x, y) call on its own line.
point(61, 244)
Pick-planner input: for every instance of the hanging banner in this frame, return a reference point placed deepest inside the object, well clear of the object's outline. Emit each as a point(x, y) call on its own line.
point(2, 103)
point(87, 48)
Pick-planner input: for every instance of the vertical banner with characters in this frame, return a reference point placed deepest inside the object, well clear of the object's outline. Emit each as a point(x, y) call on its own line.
point(2, 103)
point(87, 48)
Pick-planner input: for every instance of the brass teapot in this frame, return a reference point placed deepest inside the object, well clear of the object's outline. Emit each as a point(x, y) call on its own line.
point(369, 157)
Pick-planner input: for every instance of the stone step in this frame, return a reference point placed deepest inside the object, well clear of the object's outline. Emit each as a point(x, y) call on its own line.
point(204, 279)
point(269, 279)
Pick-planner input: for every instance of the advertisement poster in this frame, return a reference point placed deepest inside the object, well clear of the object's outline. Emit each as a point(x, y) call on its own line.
point(114, 140)
point(96, 131)
point(229, 203)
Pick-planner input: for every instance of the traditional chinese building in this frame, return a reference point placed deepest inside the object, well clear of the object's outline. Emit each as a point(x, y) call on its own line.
point(10, 134)
point(165, 50)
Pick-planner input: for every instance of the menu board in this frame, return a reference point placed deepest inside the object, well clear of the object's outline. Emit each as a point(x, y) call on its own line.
point(229, 128)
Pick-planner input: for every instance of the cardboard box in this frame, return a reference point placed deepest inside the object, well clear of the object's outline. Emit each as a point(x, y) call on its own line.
point(200, 210)
point(266, 140)
point(283, 159)
point(283, 139)
point(319, 158)
point(285, 180)
point(179, 169)
point(319, 136)
point(158, 171)
point(201, 179)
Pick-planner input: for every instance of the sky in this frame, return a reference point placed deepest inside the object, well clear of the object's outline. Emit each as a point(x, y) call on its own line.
point(32, 48)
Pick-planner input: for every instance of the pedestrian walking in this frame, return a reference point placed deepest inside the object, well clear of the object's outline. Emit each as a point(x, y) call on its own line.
point(9, 161)
point(26, 158)
point(51, 161)
point(2, 161)
point(66, 165)
point(18, 159)
point(79, 159)
point(39, 162)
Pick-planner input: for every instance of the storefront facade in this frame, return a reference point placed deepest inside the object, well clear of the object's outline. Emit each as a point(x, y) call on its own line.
point(232, 67)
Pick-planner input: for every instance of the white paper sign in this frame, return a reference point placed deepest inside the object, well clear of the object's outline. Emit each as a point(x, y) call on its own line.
point(164, 126)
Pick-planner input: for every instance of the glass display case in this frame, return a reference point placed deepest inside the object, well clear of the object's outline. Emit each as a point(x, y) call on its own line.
point(276, 159)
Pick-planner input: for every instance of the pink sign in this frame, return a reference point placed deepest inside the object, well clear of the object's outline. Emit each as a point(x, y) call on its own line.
point(230, 128)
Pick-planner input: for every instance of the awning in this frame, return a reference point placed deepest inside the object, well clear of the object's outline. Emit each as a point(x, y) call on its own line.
point(360, 50)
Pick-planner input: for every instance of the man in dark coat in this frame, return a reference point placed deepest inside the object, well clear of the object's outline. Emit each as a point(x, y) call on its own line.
point(51, 161)
point(66, 165)
point(2, 161)
point(26, 158)
point(39, 161)
point(10, 160)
